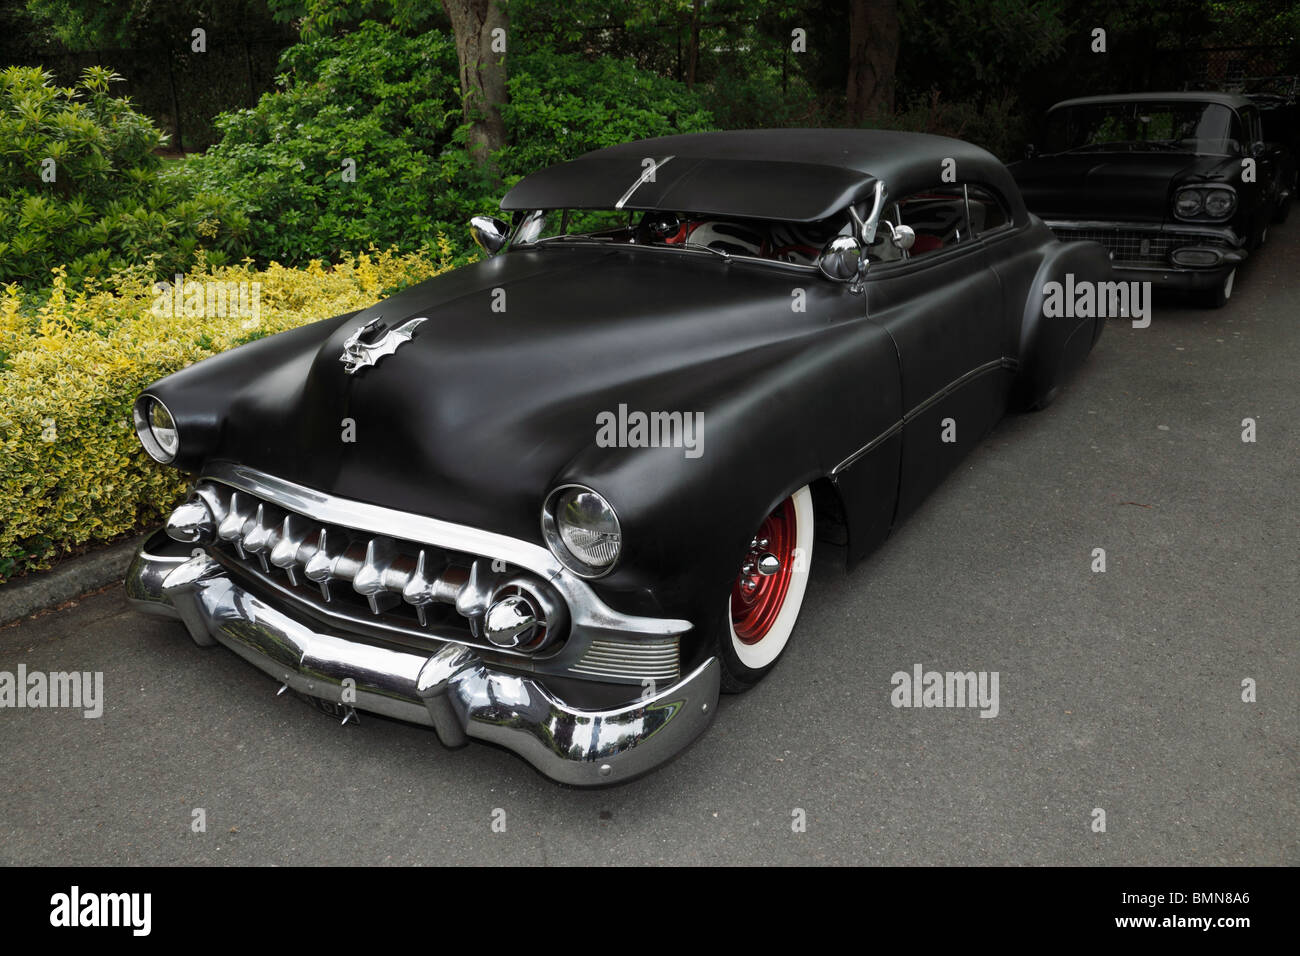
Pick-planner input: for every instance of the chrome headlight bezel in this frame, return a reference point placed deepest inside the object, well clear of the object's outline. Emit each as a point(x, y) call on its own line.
point(553, 529)
point(1211, 194)
point(161, 441)
point(1203, 195)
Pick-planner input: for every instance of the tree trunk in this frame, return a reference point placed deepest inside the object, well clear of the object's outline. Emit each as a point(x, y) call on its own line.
point(873, 55)
point(693, 56)
point(482, 71)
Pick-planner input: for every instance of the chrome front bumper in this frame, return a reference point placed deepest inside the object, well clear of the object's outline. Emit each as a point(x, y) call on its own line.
point(452, 690)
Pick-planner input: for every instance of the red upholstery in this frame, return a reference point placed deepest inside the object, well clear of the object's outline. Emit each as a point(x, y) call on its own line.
point(925, 243)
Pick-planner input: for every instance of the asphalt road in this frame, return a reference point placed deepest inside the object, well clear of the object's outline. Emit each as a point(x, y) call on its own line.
point(1118, 690)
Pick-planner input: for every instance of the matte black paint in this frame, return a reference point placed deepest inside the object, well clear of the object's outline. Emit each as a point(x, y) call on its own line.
point(483, 412)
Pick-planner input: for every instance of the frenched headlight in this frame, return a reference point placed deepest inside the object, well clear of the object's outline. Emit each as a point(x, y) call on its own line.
point(582, 530)
point(1219, 202)
point(1188, 203)
point(156, 428)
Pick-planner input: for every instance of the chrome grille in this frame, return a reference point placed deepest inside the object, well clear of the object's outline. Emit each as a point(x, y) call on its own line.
point(371, 577)
point(1140, 247)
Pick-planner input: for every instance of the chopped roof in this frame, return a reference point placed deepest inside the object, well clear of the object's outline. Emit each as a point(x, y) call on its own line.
point(796, 175)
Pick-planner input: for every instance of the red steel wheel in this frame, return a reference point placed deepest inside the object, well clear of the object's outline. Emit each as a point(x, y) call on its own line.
point(768, 592)
point(757, 598)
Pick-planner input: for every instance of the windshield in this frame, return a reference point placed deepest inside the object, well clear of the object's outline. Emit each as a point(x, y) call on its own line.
point(794, 243)
point(1155, 126)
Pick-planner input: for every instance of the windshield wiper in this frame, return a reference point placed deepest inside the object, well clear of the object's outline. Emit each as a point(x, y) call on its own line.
point(1088, 147)
point(717, 252)
point(568, 235)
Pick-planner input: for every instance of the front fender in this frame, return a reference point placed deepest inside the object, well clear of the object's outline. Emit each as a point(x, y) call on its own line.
point(773, 421)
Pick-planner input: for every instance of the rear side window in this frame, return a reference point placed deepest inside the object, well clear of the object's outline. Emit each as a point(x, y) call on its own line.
point(937, 216)
point(988, 213)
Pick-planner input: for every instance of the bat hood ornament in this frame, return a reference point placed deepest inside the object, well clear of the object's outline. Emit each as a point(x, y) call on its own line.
point(368, 344)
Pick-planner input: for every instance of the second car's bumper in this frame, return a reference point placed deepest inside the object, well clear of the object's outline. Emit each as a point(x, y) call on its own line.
point(451, 689)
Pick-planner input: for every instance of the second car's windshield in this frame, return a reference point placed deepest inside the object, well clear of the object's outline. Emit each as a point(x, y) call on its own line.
point(795, 243)
point(1181, 127)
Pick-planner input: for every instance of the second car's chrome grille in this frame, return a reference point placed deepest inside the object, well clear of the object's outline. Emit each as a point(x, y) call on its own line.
point(1140, 247)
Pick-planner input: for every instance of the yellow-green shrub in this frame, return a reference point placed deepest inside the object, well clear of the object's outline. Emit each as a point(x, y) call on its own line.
point(71, 363)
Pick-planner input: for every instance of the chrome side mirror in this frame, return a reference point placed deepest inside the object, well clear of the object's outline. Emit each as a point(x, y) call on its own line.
point(844, 260)
point(904, 237)
point(489, 232)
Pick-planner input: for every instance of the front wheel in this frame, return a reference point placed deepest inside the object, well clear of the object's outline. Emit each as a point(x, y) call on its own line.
point(767, 593)
point(1218, 297)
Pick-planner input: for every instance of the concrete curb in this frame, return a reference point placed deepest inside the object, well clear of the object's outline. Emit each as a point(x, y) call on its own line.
point(70, 579)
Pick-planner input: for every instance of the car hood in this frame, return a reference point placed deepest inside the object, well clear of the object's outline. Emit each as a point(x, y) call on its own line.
point(498, 389)
point(1127, 187)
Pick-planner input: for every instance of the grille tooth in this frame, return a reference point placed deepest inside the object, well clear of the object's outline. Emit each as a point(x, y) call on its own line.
point(232, 525)
point(320, 566)
point(474, 596)
point(293, 534)
point(258, 539)
point(369, 577)
point(419, 589)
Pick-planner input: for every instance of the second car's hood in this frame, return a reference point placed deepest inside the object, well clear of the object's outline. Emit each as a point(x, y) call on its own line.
point(500, 386)
point(1128, 187)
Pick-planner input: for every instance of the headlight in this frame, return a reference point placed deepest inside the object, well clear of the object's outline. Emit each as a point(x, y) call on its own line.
point(156, 428)
point(582, 530)
point(1188, 203)
point(1219, 202)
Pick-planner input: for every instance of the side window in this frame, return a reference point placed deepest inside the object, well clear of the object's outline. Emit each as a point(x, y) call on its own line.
point(1253, 132)
point(988, 213)
point(937, 216)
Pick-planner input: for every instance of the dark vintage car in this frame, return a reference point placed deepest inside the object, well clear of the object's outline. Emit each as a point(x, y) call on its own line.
point(585, 473)
point(1179, 187)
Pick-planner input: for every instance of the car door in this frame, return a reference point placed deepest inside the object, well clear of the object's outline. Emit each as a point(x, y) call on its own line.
point(942, 306)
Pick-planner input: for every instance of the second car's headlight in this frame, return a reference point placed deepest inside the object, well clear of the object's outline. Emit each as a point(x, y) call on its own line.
point(156, 428)
point(1188, 203)
point(1219, 202)
point(582, 530)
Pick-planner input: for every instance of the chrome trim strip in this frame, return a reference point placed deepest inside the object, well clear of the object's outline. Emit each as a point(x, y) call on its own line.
point(590, 616)
point(643, 179)
point(1192, 228)
point(450, 689)
point(889, 432)
point(999, 363)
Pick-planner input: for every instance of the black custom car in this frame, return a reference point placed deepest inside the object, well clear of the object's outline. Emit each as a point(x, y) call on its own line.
point(586, 473)
point(1180, 187)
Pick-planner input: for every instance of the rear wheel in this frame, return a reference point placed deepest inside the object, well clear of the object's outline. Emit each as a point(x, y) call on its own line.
point(767, 593)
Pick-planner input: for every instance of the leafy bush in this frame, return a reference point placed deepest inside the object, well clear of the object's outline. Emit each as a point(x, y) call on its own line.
point(564, 105)
point(71, 469)
point(391, 103)
point(388, 102)
point(81, 186)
